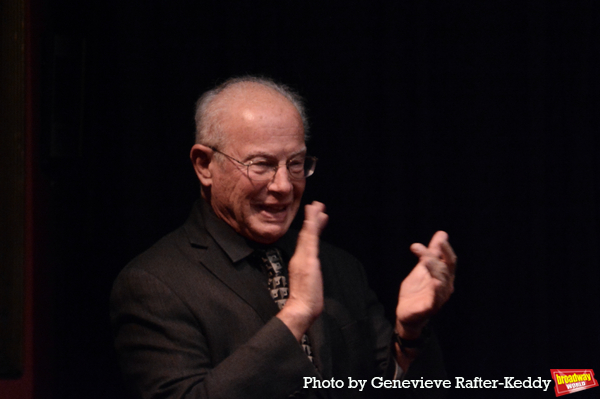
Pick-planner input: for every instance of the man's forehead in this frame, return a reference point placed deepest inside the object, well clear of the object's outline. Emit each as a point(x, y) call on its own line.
point(248, 110)
point(257, 105)
point(250, 95)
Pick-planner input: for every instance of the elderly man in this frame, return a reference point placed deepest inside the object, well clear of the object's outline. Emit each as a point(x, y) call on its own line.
point(201, 314)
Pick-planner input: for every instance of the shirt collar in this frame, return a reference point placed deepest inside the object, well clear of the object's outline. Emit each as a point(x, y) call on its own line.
point(235, 246)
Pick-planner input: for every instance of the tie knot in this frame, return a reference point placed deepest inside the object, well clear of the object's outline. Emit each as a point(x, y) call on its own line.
point(271, 259)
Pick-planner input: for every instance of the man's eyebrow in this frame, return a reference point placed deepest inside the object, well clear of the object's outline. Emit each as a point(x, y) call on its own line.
point(263, 154)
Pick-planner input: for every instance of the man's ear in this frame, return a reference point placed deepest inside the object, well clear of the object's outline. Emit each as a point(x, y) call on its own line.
point(201, 157)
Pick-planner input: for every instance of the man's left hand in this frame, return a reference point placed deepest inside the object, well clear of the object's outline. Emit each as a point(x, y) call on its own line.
point(427, 287)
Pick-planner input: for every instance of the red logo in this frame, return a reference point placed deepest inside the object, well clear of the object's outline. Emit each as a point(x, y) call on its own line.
point(572, 380)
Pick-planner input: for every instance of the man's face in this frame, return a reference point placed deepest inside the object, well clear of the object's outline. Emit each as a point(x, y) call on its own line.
point(267, 127)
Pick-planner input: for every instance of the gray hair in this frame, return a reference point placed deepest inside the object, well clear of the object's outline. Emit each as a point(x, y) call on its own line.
point(208, 125)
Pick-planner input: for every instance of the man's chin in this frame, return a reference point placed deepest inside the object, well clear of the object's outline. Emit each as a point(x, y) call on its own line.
point(268, 233)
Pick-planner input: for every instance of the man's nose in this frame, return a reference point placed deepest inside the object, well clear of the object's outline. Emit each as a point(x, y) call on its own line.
point(281, 180)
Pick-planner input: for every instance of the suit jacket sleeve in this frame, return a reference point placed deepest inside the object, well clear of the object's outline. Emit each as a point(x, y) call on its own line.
point(164, 353)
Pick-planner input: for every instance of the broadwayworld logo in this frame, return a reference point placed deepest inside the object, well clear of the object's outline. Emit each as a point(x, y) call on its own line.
point(572, 380)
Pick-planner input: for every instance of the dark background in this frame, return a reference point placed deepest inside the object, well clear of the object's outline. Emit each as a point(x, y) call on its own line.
point(476, 117)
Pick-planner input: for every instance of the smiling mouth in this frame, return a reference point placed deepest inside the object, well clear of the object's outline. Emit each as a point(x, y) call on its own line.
point(274, 208)
point(274, 211)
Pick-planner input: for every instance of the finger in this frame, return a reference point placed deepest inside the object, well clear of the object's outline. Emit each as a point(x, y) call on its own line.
point(438, 269)
point(421, 250)
point(435, 245)
point(418, 249)
point(322, 217)
point(315, 220)
point(448, 256)
point(315, 217)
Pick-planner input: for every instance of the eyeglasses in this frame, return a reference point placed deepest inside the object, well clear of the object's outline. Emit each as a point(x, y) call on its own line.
point(298, 168)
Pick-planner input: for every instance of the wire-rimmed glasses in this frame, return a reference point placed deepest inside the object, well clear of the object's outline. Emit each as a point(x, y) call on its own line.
point(299, 167)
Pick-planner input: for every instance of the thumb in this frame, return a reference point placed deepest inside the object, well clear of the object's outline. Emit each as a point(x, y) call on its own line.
point(418, 249)
point(315, 220)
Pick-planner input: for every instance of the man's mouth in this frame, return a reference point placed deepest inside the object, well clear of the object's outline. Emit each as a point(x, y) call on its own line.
point(274, 211)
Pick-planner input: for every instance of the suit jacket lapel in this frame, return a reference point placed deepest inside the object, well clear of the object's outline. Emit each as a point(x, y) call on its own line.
point(211, 256)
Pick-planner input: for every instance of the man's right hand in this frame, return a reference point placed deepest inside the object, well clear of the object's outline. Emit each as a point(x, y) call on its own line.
point(305, 300)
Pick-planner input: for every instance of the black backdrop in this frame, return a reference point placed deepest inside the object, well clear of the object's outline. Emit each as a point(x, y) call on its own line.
point(476, 117)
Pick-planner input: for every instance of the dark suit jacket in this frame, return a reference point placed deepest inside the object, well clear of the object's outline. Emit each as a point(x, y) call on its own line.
point(193, 320)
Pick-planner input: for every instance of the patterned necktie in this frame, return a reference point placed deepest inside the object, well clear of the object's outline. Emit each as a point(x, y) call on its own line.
point(278, 286)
